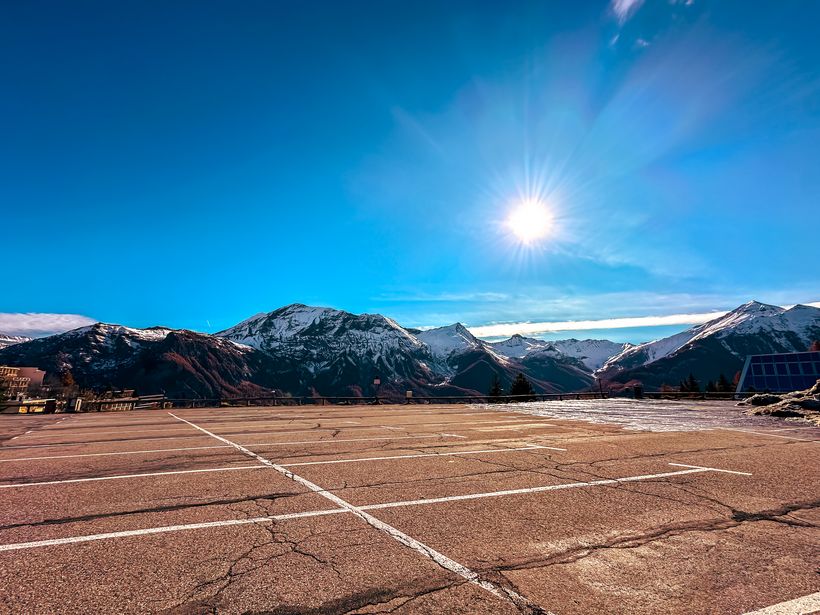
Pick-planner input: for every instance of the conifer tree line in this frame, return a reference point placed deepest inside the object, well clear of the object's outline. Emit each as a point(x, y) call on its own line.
point(722, 385)
point(519, 387)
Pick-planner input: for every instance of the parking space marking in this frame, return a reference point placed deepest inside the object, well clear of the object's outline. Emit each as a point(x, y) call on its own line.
point(284, 465)
point(92, 442)
point(765, 433)
point(798, 606)
point(157, 450)
point(505, 492)
point(123, 476)
point(167, 528)
point(416, 456)
point(685, 465)
point(360, 511)
point(254, 445)
point(442, 560)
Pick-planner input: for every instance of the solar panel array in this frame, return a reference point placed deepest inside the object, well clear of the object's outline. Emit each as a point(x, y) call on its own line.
point(780, 373)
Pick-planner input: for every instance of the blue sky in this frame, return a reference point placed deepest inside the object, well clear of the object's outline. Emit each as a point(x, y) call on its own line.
point(191, 164)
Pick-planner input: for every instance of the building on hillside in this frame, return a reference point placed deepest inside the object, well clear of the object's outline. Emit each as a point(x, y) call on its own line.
point(117, 404)
point(14, 385)
point(29, 406)
point(780, 373)
point(35, 377)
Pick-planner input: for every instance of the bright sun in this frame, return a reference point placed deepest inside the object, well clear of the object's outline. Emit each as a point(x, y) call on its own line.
point(530, 221)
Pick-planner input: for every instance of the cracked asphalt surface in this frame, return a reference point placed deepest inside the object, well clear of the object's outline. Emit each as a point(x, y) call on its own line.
point(141, 512)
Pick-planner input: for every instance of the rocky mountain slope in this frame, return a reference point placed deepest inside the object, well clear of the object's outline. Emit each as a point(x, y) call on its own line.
point(157, 360)
point(718, 346)
point(306, 350)
point(334, 352)
point(592, 353)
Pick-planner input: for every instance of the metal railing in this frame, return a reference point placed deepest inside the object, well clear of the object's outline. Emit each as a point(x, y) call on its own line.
point(162, 402)
point(327, 400)
point(441, 399)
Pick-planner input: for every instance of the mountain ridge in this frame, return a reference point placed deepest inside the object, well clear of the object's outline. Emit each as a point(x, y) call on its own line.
point(307, 350)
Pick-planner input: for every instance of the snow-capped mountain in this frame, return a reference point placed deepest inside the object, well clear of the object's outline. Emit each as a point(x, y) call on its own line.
point(592, 353)
point(446, 341)
point(718, 346)
point(331, 350)
point(178, 362)
point(10, 340)
point(519, 346)
point(304, 350)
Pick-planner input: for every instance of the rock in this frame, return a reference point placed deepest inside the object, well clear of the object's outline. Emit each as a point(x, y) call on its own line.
point(762, 399)
point(802, 404)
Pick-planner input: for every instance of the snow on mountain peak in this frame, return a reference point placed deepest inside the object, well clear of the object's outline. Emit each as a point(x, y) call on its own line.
point(10, 340)
point(298, 327)
point(518, 346)
point(784, 328)
point(444, 341)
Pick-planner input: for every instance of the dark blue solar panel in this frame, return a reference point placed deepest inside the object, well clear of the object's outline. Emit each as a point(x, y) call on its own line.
point(782, 372)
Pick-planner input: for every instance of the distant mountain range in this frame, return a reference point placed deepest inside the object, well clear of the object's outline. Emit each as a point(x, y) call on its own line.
point(9, 340)
point(306, 350)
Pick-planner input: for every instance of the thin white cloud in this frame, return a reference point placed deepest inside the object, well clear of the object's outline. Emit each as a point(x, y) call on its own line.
point(624, 9)
point(39, 324)
point(536, 328)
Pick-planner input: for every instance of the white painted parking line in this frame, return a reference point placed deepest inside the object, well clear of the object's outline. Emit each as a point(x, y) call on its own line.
point(122, 476)
point(93, 442)
point(344, 509)
point(799, 606)
point(284, 465)
point(766, 433)
point(166, 528)
point(416, 456)
point(685, 465)
point(442, 560)
point(495, 494)
point(510, 427)
point(156, 450)
point(253, 445)
point(70, 432)
point(797, 428)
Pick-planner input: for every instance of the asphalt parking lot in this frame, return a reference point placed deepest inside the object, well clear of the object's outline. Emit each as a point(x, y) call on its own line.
point(404, 509)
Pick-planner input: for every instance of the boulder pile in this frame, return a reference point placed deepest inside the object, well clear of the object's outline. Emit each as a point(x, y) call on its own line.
point(802, 404)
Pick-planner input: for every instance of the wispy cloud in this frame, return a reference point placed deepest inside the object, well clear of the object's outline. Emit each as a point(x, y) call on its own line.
point(39, 324)
point(624, 9)
point(537, 328)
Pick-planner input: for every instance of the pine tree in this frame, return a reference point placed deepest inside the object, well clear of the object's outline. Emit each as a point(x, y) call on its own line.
point(495, 388)
point(711, 387)
point(723, 384)
point(521, 386)
point(692, 385)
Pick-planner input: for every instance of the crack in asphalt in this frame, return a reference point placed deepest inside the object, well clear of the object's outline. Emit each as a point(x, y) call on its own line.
point(635, 540)
point(157, 509)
